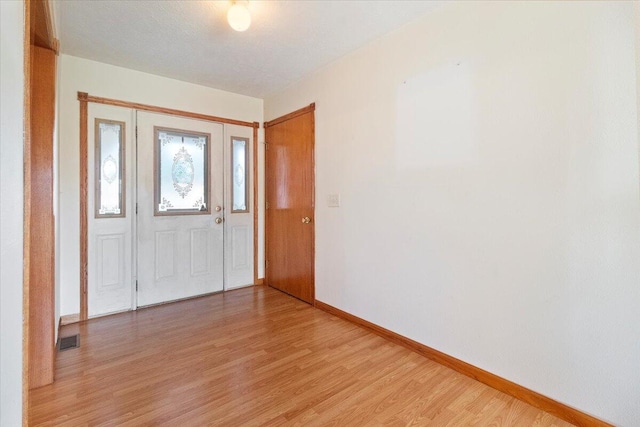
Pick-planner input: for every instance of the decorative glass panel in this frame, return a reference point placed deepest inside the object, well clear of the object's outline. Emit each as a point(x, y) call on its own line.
point(182, 172)
point(109, 177)
point(240, 174)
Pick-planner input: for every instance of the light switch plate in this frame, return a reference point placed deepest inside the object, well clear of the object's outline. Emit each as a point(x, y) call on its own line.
point(333, 200)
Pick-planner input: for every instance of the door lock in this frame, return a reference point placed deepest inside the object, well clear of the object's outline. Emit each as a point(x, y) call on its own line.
point(306, 220)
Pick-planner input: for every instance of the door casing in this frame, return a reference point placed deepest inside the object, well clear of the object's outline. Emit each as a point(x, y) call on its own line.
point(84, 99)
point(290, 242)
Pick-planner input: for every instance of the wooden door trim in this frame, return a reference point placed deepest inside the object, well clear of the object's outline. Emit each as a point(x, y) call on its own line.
point(26, 242)
point(163, 110)
point(38, 31)
point(41, 223)
point(84, 99)
point(84, 215)
point(41, 28)
point(255, 203)
point(304, 110)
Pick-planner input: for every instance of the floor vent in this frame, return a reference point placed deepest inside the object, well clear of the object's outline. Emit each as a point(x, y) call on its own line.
point(65, 343)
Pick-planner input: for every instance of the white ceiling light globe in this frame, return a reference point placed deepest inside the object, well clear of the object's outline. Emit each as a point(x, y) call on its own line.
point(239, 17)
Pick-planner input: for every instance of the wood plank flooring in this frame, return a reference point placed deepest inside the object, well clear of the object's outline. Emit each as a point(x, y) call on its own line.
point(257, 357)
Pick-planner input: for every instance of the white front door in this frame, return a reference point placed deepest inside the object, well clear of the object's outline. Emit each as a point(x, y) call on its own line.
point(111, 209)
point(180, 208)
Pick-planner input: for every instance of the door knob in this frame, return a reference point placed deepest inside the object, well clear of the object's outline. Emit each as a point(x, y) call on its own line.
point(306, 220)
point(219, 220)
point(218, 208)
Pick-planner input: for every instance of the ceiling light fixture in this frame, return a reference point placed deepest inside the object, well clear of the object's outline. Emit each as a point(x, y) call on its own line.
point(239, 17)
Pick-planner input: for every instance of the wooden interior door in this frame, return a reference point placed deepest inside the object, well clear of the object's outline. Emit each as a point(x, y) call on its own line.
point(290, 187)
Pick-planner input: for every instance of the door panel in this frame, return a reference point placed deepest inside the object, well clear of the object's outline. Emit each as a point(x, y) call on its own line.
point(111, 261)
point(180, 248)
point(201, 251)
point(110, 200)
point(290, 190)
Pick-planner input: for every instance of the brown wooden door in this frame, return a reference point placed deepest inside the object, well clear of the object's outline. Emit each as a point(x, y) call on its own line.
point(290, 221)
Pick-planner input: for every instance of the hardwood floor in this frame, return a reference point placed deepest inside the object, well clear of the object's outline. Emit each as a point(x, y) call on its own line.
point(253, 357)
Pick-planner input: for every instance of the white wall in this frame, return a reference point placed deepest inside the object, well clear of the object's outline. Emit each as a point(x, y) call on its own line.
point(11, 211)
point(501, 225)
point(108, 81)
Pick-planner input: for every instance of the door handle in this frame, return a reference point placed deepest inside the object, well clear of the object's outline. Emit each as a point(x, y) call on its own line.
point(219, 220)
point(306, 220)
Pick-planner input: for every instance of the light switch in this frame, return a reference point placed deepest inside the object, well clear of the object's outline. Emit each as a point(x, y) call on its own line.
point(333, 200)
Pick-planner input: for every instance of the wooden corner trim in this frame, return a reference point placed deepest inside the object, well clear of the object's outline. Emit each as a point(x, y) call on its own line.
point(292, 115)
point(259, 282)
point(531, 397)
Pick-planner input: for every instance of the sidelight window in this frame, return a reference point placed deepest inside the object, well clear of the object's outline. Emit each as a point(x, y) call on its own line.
point(109, 159)
point(239, 174)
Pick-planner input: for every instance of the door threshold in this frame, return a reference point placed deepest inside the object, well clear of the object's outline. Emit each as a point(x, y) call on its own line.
point(193, 297)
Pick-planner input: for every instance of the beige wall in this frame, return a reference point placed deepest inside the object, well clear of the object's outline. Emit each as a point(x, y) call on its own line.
point(11, 210)
point(108, 81)
point(487, 160)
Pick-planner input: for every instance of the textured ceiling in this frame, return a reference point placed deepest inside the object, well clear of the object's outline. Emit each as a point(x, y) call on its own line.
point(191, 40)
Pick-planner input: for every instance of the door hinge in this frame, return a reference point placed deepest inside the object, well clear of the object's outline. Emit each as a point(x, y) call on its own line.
point(266, 264)
point(136, 208)
point(136, 132)
point(266, 205)
point(136, 285)
point(266, 145)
